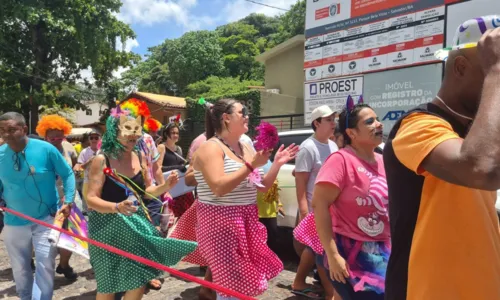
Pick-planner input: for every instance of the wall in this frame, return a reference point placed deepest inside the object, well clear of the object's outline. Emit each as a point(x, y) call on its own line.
point(276, 104)
point(162, 115)
point(286, 72)
point(95, 108)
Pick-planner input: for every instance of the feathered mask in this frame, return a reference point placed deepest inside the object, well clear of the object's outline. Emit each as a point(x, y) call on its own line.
point(152, 125)
point(350, 106)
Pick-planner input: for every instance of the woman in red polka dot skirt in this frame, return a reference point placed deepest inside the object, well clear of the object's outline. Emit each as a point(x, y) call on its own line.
point(230, 237)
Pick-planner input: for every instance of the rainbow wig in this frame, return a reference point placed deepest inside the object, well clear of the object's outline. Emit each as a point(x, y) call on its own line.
point(53, 122)
point(136, 108)
point(151, 125)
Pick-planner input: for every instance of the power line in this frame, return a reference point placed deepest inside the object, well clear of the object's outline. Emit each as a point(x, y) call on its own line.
point(263, 4)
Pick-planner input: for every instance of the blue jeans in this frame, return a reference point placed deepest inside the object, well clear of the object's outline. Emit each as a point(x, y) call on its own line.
point(19, 241)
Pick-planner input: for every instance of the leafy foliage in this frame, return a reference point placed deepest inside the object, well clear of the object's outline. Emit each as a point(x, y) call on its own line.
point(251, 99)
point(46, 43)
point(212, 63)
point(215, 86)
point(193, 57)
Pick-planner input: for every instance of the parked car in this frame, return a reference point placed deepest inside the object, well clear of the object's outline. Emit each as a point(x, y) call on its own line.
point(287, 181)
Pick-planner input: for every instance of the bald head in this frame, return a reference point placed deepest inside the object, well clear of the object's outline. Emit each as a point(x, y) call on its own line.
point(463, 78)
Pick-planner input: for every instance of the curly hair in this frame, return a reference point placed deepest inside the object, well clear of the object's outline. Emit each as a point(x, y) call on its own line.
point(136, 108)
point(53, 122)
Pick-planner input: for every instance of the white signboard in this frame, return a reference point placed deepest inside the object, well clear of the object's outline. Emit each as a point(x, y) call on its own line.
point(332, 92)
point(393, 93)
point(348, 37)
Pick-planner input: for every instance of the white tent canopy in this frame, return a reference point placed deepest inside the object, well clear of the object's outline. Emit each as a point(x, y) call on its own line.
point(79, 132)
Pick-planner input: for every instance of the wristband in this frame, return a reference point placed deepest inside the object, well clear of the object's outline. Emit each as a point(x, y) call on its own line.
point(249, 166)
point(116, 206)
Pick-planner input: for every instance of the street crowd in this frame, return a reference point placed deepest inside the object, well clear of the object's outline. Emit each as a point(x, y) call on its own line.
point(414, 221)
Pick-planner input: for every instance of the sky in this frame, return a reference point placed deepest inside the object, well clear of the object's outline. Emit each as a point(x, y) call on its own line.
point(153, 21)
point(156, 20)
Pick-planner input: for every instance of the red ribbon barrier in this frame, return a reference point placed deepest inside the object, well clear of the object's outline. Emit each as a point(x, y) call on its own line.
point(134, 257)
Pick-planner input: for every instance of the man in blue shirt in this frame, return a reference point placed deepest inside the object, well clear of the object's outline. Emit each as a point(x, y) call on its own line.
point(28, 170)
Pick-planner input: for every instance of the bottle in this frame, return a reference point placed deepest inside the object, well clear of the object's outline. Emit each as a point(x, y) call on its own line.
point(133, 199)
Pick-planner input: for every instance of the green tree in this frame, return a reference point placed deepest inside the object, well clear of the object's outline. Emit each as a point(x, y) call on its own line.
point(46, 43)
point(216, 86)
point(291, 23)
point(193, 57)
point(238, 42)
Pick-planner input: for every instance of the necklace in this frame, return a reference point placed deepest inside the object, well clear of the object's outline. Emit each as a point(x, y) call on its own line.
point(457, 114)
point(231, 149)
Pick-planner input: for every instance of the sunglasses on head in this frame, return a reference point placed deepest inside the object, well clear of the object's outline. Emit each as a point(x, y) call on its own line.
point(94, 138)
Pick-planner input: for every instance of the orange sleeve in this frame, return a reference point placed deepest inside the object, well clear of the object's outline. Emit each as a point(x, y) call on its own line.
point(417, 136)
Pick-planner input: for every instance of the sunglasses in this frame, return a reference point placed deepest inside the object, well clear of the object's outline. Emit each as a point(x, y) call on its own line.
point(95, 138)
point(55, 139)
point(245, 112)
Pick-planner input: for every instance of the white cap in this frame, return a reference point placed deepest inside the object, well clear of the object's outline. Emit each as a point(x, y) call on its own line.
point(321, 112)
point(469, 33)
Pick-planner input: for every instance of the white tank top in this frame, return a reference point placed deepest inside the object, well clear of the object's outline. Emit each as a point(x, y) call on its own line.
point(244, 194)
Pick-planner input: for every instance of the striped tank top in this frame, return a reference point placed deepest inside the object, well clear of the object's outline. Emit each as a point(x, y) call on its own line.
point(244, 194)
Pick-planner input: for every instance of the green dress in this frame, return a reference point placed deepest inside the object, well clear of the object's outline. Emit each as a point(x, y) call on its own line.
point(134, 234)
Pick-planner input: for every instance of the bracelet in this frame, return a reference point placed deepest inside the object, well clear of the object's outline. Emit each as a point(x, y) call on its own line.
point(249, 166)
point(118, 210)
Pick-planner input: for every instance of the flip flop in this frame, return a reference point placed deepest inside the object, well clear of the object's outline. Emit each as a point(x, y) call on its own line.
point(307, 293)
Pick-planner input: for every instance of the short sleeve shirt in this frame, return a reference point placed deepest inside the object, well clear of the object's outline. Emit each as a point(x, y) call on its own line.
point(84, 157)
point(311, 156)
point(360, 211)
point(455, 238)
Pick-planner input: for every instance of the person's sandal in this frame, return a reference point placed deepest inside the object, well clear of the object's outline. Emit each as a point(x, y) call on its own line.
point(67, 272)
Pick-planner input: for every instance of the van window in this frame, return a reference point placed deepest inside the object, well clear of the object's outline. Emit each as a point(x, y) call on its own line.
point(287, 140)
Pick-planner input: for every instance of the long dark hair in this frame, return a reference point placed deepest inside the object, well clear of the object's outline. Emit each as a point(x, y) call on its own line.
point(167, 130)
point(352, 120)
point(213, 115)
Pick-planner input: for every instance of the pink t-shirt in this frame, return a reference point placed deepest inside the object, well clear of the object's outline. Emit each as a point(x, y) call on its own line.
point(360, 211)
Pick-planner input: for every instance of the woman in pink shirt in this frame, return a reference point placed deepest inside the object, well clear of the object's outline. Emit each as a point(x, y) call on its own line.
point(351, 225)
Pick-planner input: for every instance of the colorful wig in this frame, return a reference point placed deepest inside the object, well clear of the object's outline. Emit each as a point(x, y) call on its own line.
point(136, 108)
point(152, 125)
point(54, 122)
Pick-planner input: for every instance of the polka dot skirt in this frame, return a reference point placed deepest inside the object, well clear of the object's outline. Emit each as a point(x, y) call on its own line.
point(186, 230)
point(136, 235)
point(233, 242)
point(306, 234)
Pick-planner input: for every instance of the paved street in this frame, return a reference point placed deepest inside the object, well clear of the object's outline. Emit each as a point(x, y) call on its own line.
point(173, 288)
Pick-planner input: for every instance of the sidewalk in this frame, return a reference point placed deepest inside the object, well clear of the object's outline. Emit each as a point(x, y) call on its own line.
point(173, 288)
